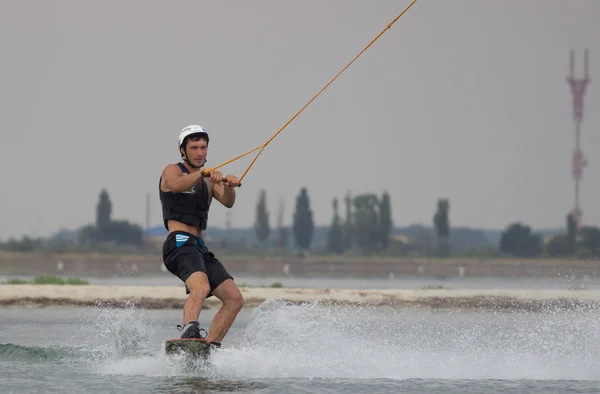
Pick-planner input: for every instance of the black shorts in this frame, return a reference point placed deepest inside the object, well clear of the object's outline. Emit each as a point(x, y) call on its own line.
point(184, 254)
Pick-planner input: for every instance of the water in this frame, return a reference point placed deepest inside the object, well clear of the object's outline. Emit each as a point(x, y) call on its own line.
point(278, 348)
point(401, 282)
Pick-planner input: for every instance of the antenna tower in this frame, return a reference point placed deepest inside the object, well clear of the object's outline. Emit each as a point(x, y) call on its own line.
point(578, 87)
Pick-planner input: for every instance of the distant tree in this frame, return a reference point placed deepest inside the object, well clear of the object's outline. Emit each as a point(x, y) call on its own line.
point(442, 227)
point(589, 245)
point(518, 240)
point(123, 232)
point(385, 213)
point(282, 239)
point(261, 224)
point(103, 215)
point(26, 244)
point(349, 231)
point(571, 235)
point(60, 243)
point(366, 222)
point(335, 242)
point(424, 242)
point(559, 246)
point(87, 234)
point(303, 226)
point(563, 245)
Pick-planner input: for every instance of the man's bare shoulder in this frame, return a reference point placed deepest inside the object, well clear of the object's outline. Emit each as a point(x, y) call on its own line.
point(172, 167)
point(168, 174)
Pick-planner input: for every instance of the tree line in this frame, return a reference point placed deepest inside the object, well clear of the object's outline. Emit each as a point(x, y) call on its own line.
point(519, 240)
point(105, 234)
point(302, 229)
point(366, 227)
point(106, 230)
point(362, 225)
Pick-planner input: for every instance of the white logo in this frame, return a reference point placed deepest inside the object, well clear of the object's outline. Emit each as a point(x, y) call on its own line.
point(192, 190)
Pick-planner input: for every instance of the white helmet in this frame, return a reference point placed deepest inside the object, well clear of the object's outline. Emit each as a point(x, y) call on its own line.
point(191, 130)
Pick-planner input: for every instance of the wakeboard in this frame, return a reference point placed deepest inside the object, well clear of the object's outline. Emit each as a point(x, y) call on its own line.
point(195, 347)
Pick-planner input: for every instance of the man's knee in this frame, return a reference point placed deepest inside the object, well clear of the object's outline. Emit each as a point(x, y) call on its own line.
point(230, 295)
point(235, 301)
point(197, 284)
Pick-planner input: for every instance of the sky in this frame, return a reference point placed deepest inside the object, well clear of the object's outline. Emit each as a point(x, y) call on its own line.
point(465, 100)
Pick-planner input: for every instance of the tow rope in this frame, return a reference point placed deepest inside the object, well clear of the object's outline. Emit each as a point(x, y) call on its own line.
point(263, 146)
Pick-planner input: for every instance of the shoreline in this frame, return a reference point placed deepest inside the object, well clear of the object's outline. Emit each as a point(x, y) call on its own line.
point(106, 265)
point(173, 297)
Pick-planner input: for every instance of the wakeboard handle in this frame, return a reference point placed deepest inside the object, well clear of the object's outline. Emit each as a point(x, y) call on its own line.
point(204, 174)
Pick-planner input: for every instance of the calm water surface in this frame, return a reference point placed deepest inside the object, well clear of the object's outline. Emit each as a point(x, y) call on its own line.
point(365, 283)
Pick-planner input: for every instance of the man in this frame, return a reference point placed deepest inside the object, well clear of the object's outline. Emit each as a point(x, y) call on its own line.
point(185, 196)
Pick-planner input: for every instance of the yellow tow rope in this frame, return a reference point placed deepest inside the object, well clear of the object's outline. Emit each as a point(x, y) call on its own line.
point(262, 147)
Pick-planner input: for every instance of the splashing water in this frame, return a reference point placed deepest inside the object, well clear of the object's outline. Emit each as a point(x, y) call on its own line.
point(130, 345)
point(126, 345)
point(124, 331)
point(322, 341)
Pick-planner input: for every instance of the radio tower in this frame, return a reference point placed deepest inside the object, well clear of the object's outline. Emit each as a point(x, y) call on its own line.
point(578, 87)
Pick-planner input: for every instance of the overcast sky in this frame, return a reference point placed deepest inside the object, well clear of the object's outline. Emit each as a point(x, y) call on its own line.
point(453, 101)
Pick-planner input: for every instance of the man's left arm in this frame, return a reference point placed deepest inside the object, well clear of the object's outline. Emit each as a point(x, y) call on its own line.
point(224, 192)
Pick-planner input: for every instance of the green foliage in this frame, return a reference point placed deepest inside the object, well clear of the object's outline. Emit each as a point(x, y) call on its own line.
point(283, 233)
point(26, 244)
point(560, 246)
point(303, 226)
point(584, 244)
point(19, 281)
point(335, 241)
point(440, 219)
point(283, 237)
point(261, 223)
point(49, 280)
point(60, 245)
point(107, 231)
point(367, 228)
point(590, 242)
point(442, 226)
point(87, 234)
point(367, 223)
point(122, 232)
point(518, 241)
point(571, 236)
point(423, 243)
point(274, 285)
point(103, 213)
point(571, 227)
point(385, 213)
point(349, 232)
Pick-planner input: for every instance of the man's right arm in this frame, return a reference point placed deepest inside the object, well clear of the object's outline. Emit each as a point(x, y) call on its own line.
point(173, 181)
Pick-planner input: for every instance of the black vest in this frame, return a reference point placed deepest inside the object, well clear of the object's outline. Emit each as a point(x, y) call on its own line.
point(189, 207)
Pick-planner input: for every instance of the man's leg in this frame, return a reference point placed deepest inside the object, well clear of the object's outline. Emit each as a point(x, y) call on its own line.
point(197, 284)
point(183, 258)
point(233, 301)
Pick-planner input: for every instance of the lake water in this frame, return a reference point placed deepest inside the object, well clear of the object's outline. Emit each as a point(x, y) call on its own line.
point(402, 282)
point(312, 348)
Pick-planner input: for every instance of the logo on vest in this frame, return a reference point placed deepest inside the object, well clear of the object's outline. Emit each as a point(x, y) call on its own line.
point(192, 190)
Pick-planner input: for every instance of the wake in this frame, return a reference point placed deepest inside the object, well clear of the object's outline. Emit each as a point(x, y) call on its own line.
point(321, 341)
